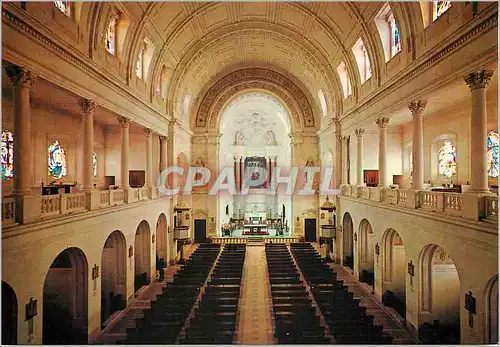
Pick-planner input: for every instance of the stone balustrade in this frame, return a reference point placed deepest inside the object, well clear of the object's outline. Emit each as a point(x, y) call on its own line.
point(8, 210)
point(50, 206)
point(229, 240)
point(468, 206)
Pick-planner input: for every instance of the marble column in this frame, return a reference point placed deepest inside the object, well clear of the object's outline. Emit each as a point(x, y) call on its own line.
point(22, 80)
point(149, 157)
point(338, 170)
point(125, 126)
point(164, 152)
point(359, 155)
point(478, 82)
point(383, 177)
point(417, 108)
point(88, 109)
point(343, 140)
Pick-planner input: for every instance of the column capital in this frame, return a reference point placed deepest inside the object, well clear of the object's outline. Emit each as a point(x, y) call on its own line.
point(124, 122)
point(87, 106)
point(344, 138)
point(478, 79)
point(382, 122)
point(19, 76)
point(147, 132)
point(164, 138)
point(417, 106)
point(359, 132)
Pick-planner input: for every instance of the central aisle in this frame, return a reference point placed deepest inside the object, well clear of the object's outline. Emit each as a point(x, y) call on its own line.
point(255, 324)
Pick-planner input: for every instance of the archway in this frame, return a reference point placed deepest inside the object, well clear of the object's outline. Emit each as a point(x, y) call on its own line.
point(65, 299)
point(492, 311)
point(366, 253)
point(9, 315)
point(348, 245)
point(142, 256)
point(113, 275)
point(440, 297)
point(394, 272)
point(162, 249)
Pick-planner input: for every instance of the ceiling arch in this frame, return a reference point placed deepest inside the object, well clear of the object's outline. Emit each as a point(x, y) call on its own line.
point(225, 89)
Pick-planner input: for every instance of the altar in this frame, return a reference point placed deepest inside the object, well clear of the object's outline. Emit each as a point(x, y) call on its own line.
point(255, 229)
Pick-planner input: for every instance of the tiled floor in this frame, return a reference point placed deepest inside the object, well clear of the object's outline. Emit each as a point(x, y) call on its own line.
point(255, 322)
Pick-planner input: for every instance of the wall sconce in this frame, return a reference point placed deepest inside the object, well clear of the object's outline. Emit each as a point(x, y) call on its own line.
point(411, 268)
point(31, 309)
point(130, 252)
point(355, 237)
point(377, 249)
point(470, 302)
point(153, 238)
point(95, 272)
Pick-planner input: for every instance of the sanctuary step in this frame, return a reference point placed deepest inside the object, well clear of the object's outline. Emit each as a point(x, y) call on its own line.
point(296, 321)
point(163, 322)
point(214, 321)
point(347, 320)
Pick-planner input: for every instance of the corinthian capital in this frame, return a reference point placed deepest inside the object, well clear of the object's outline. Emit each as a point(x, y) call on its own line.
point(164, 138)
point(19, 76)
point(344, 138)
point(87, 106)
point(359, 132)
point(382, 122)
point(417, 106)
point(124, 122)
point(478, 79)
point(147, 132)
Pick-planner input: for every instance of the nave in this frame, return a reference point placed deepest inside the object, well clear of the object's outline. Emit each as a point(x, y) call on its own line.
point(264, 293)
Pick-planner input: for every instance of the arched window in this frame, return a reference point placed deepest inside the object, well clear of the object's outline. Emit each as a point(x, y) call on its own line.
point(64, 7)
point(395, 38)
point(492, 143)
point(439, 7)
point(56, 160)
point(161, 84)
point(447, 156)
point(139, 70)
point(94, 163)
point(388, 31)
point(322, 101)
point(362, 60)
point(344, 79)
point(7, 155)
point(111, 35)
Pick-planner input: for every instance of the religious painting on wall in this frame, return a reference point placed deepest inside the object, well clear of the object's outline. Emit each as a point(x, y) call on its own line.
point(447, 156)
point(254, 167)
point(7, 149)
point(492, 143)
point(56, 160)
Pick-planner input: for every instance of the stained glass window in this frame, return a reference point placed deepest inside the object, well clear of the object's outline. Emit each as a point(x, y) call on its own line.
point(440, 7)
point(7, 155)
point(139, 70)
point(492, 143)
point(395, 37)
point(56, 160)
point(94, 163)
point(111, 36)
point(63, 6)
point(447, 159)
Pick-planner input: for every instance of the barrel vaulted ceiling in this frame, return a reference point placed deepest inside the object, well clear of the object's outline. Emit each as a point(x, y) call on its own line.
point(201, 42)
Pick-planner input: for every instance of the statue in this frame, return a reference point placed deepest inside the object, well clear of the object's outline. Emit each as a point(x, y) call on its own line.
point(270, 138)
point(239, 138)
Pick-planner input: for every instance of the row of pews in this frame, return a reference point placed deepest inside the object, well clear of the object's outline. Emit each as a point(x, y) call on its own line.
point(348, 321)
point(296, 321)
point(214, 321)
point(163, 322)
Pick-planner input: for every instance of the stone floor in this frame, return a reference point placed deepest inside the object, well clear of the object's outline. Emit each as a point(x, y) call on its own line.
point(255, 321)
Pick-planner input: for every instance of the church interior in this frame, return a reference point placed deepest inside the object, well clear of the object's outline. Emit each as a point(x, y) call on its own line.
point(250, 172)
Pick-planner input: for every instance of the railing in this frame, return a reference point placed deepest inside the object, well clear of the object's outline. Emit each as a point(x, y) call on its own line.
point(224, 240)
point(492, 207)
point(8, 210)
point(50, 205)
point(117, 197)
point(74, 202)
point(143, 193)
point(104, 198)
point(453, 204)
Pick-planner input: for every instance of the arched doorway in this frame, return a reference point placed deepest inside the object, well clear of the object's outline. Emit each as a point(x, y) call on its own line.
point(142, 256)
point(9, 315)
point(492, 310)
point(366, 253)
point(348, 243)
point(440, 297)
point(113, 275)
point(394, 272)
point(65, 299)
point(162, 250)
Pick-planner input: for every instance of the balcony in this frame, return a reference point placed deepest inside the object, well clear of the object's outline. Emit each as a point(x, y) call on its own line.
point(43, 207)
point(475, 207)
